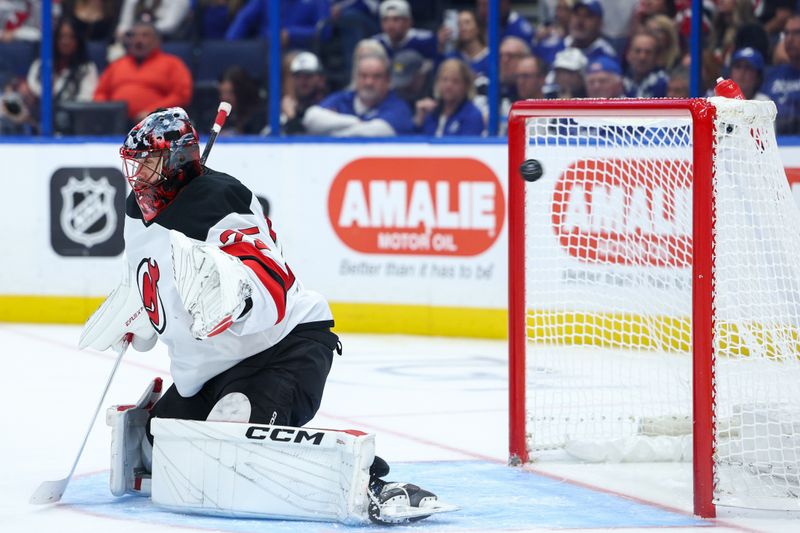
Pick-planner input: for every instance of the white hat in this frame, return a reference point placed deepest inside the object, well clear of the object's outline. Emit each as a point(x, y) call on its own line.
point(305, 62)
point(570, 59)
point(395, 8)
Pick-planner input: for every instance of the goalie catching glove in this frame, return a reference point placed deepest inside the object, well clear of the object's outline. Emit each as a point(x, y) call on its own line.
point(213, 286)
point(121, 314)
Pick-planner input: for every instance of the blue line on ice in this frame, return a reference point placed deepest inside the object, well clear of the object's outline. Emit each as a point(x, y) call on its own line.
point(491, 496)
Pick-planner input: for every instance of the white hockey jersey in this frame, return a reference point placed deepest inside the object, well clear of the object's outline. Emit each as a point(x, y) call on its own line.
point(217, 209)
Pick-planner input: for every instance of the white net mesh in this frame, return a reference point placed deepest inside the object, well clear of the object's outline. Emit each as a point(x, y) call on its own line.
point(757, 313)
point(608, 295)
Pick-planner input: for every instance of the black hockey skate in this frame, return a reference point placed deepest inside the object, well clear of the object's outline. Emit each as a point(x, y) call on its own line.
point(399, 503)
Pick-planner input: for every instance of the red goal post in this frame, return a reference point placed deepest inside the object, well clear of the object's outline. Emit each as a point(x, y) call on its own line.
point(626, 129)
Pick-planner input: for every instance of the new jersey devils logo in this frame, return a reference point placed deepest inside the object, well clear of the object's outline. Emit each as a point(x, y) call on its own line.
point(147, 276)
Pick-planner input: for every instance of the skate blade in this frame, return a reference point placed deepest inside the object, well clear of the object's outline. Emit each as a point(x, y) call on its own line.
point(403, 512)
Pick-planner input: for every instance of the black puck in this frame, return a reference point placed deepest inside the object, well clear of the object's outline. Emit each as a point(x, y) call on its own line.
point(531, 170)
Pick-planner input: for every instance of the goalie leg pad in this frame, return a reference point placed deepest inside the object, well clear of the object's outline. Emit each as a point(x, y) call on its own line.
point(257, 470)
point(129, 472)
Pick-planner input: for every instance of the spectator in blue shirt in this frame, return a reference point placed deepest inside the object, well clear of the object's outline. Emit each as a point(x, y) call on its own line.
point(585, 26)
point(398, 33)
point(783, 81)
point(299, 21)
point(604, 79)
point(452, 112)
point(747, 71)
point(644, 79)
point(371, 110)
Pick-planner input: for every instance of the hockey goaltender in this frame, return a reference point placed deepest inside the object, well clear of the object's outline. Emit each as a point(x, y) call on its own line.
point(250, 350)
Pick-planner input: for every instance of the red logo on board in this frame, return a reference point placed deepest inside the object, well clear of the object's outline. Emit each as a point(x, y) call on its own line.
point(417, 205)
point(625, 211)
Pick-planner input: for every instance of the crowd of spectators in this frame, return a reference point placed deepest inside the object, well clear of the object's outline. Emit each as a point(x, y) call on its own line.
point(396, 67)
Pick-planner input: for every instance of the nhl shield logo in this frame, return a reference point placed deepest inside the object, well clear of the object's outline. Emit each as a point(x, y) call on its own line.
point(87, 206)
point(87, 214)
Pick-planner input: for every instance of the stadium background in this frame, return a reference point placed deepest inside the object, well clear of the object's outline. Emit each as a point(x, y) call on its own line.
point(445, 277)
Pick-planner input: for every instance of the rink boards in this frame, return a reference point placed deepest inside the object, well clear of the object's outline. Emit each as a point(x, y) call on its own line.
point(401, 237)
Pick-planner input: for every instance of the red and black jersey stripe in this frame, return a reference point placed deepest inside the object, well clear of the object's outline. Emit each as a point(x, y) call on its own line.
point(272, 276)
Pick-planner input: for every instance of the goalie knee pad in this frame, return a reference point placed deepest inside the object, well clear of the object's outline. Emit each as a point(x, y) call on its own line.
point(130, 472)
point(233, 407)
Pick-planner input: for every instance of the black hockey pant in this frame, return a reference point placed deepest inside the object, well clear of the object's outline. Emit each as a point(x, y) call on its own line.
point(284, 383)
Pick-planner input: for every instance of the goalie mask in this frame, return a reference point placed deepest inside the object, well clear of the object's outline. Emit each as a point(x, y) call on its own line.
point(160, 155)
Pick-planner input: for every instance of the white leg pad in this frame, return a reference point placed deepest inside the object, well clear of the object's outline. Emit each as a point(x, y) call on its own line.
point(129, 473)
point(255, 470)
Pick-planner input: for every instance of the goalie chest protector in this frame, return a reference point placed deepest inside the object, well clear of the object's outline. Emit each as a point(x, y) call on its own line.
point(217, 209)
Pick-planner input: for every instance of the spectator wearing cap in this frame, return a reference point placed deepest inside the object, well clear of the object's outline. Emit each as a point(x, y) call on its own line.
point(747, 70)
point(511, 22)
point(566, 77)
point(604, 79)
point(398, 33)
point(411, 76)
point(300, 22)
point(530, 76)
point(584, 31)
point(307, 88)
point(782, 82)
point(643, 78)
point(452, 112)
point(370, 110)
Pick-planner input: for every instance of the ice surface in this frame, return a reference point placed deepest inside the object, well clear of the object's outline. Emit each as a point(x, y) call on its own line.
point(438, 406)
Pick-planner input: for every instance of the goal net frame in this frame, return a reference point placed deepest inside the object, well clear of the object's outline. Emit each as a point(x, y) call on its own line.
point(703, 113)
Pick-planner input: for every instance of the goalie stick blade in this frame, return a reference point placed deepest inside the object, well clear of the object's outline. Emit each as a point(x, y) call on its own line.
point(49, 492)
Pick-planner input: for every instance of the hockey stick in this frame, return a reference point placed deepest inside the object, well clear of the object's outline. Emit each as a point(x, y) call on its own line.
point(223, 111)
point(51, 491)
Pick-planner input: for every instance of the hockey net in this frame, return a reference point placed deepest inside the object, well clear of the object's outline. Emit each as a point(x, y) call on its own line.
point(655, 293)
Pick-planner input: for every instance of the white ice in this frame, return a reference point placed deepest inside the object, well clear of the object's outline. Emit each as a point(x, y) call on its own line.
point(427, 399)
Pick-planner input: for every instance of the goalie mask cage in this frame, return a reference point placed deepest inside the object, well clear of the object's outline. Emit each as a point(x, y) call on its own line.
point(654, 307)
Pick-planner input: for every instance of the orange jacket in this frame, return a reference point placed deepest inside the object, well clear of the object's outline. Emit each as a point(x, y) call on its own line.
point(161, 80)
